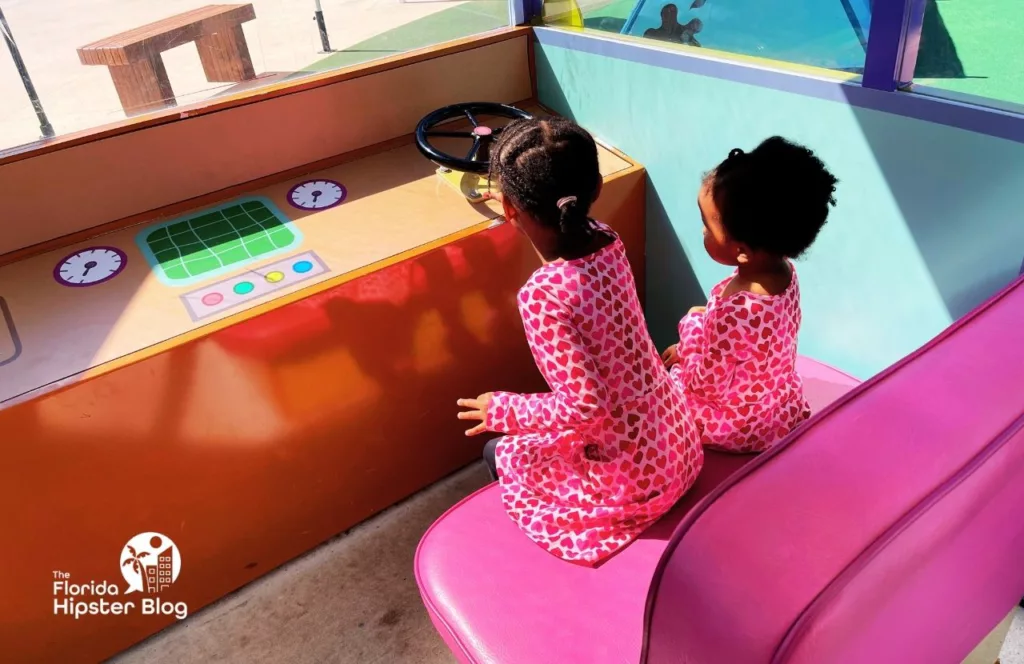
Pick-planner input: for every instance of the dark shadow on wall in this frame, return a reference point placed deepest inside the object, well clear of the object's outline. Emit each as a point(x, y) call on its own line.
point(943, 179)
point(674, 288)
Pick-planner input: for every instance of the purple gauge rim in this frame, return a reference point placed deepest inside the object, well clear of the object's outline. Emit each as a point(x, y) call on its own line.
point(60, 280)
point(344, 194)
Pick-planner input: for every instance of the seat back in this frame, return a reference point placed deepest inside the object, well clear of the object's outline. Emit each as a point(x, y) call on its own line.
point(889, 528)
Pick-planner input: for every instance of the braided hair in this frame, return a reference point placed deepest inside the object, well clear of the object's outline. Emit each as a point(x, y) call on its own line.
point(548, 169)
point(775, 199)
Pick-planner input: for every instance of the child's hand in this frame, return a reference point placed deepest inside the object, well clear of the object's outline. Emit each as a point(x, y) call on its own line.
point(670, 357)
point(696, 310)
point(477, 411)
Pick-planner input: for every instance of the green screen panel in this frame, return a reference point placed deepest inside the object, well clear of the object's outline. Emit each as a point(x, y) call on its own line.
point(210, 241)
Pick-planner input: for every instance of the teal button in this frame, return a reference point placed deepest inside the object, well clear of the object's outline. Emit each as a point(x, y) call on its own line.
point(244, 287)
point(302, 267)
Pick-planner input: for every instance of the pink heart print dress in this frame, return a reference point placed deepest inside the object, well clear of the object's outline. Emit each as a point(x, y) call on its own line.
point(737, 367)
point(591, 464)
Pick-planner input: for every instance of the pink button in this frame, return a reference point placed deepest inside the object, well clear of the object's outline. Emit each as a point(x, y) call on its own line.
point(483, 131)
point(212, 299)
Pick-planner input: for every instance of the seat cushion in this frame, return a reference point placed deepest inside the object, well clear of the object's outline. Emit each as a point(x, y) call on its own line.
point(823, 384)
point(495, 596)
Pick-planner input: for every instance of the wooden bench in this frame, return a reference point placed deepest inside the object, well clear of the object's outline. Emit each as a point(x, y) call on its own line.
point(134, 60)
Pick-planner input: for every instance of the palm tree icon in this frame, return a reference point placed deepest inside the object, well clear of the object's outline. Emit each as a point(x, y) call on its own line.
point(135, 560)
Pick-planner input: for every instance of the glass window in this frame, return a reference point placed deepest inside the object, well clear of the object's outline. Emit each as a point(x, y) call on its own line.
point(973, 48)
point(819, 33)
point(74, 65)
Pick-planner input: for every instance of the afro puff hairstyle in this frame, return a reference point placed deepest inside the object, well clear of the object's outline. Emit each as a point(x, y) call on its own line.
point(775, 199)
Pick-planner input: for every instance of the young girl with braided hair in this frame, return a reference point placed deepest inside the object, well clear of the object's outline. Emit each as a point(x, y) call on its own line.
point(586, 467)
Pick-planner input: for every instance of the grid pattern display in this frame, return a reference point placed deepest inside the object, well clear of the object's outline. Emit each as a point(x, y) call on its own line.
point(214, 240)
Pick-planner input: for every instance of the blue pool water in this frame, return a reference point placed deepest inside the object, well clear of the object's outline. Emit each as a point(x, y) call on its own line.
point(821, 33)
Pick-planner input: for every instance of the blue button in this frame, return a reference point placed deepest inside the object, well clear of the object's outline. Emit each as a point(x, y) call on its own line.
point(302, 266)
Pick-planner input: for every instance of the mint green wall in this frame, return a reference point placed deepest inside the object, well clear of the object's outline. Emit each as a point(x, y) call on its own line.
point(930, 219)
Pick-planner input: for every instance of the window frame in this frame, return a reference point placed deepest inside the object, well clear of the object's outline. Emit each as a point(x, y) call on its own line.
point(894, 38)
point(517, 16)
point(893, 44)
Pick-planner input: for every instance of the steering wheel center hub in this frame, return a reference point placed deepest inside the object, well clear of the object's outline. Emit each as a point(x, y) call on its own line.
point(482, 131)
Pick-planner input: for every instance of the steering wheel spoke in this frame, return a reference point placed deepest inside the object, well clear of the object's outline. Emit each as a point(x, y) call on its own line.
point(473, 150)
point(451, 134)
point(472, 118)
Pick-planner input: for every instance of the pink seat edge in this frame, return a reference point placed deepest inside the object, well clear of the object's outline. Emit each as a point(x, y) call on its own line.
point(809, 367)
point(448, 636)
point(447, 633)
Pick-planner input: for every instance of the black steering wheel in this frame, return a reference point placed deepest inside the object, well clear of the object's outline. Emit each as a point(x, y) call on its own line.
point(477, 159)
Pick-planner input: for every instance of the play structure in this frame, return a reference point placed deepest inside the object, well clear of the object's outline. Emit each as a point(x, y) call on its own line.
point(832, 33)
point(249, 328)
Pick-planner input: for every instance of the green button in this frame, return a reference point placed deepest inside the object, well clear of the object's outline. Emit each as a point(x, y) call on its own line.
point(244, 287)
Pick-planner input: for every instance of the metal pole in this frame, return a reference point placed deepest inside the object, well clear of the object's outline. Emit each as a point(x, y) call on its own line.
point(318, 16)
point(44, 124)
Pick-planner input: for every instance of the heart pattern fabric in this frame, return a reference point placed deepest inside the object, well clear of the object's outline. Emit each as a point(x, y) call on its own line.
point(737, 368)
point(590, 465)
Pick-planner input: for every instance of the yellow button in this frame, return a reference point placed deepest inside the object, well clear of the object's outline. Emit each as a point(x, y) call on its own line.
point(274, 277)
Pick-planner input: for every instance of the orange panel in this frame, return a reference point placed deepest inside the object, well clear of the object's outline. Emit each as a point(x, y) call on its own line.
point(255, 443)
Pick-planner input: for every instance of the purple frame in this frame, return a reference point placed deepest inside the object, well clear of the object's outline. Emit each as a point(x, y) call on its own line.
point(517, 12)
point(523, 12)
point(62, 282)
point(893, 41)
point(344, 195)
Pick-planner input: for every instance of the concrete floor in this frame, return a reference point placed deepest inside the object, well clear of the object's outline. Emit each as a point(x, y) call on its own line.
point(1013, 647)
point(352, 600)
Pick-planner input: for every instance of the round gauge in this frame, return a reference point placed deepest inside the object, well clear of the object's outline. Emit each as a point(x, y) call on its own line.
point(88, 267)
point(317, 194)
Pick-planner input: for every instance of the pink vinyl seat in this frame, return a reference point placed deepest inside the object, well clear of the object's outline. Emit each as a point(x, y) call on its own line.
point(490, 591)
point(888, 528)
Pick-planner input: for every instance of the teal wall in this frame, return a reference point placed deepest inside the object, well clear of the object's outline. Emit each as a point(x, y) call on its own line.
point(929, 223)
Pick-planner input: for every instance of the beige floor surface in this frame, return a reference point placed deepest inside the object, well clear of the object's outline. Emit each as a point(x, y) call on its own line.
point(352, 600)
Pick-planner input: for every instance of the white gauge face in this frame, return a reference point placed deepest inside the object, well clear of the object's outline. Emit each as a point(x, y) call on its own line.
point(316, 194)
point(90, 266)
